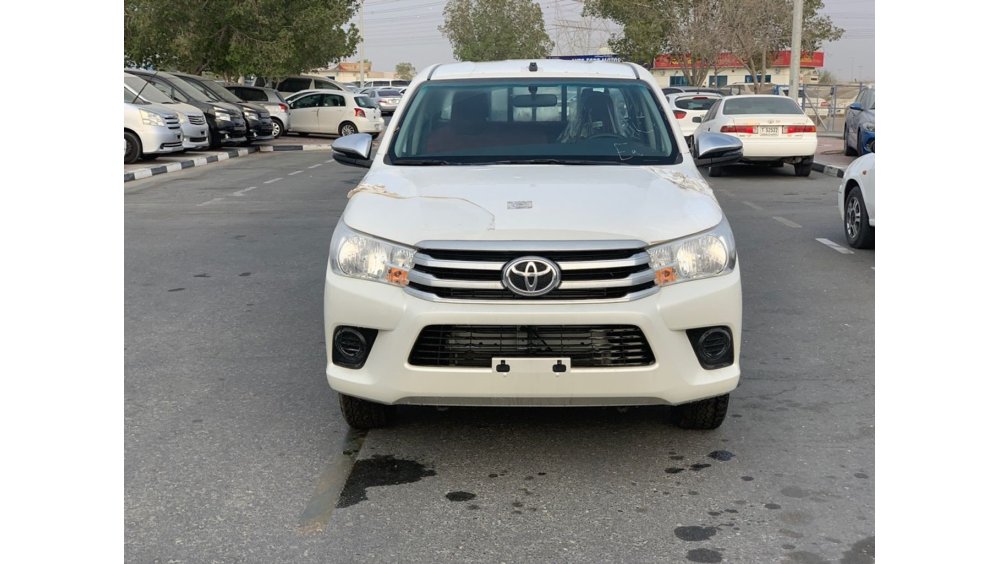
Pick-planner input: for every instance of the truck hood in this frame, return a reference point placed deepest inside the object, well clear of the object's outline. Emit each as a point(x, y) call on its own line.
point(410, 204)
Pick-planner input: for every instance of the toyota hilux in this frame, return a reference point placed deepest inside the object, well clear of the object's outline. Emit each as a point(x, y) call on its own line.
point(533, 233)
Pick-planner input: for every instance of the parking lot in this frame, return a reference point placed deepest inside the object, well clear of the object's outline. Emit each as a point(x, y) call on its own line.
point(235, 450)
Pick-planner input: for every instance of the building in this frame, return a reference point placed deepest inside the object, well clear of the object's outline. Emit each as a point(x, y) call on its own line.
point(348, 72)
point(728, 70)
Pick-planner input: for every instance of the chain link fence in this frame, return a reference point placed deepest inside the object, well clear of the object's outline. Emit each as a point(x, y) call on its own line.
point(826, 105)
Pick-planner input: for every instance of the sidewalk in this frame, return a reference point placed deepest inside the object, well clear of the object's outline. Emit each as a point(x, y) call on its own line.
point(830, 158)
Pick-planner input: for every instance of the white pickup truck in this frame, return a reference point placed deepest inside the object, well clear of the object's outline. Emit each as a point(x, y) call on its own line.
point(533, 233)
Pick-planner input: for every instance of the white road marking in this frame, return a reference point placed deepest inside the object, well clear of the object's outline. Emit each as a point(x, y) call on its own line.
point(272, 180)
point(787, 222)
point(212, 201)
point(244, 191)
point(329, 161)
point(294, 173)
point(754, 206)
point(316, 165)
point(835, 246)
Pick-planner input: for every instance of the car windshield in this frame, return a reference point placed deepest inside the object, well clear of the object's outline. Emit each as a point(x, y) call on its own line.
point(540, 121)
point(364, 102)
point(147, 91)
point(220, 91)
point(389, 93)
point(189, 89)
point(695, 102)
point(747, 105)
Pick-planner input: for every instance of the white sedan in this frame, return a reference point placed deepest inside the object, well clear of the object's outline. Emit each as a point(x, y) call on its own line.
point(773, 129)
point(688, 105)
point(856, 201)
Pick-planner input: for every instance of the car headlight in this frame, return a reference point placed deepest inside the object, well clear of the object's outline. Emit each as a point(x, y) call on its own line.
point(868, 127)
point(249, 115)
point(707, 254)
point(222, 115)
point(183, 117)
point(149, 118)
point(361, 256)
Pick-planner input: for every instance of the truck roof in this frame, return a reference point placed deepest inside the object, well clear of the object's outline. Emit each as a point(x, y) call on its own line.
point(547, 68)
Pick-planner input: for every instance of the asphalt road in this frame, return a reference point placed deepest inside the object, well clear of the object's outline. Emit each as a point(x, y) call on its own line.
point(235, 450)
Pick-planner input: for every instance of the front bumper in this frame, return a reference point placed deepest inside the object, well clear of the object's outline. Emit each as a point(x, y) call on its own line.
point(867, 142)
point(195, 136)
point(260, 129)
point(675, 378)
point(161, 140)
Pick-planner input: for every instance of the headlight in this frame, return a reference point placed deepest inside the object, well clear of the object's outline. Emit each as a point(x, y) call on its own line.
point(149, 118)
point(360, 256)
point(222, 115)
point(869, 127)
point(182, 116)
point(704, 255)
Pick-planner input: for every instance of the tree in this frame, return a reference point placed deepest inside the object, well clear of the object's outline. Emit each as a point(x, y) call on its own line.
point(234, 37)
point(827, 77)
point(489, 30)
point(405, 71)
point(695, 32)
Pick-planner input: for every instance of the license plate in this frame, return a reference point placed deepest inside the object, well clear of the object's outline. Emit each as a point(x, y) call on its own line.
point(768, 130)
point(515, 366)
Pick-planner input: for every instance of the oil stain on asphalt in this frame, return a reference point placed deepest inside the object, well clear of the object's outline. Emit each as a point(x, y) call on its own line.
point(381, 470)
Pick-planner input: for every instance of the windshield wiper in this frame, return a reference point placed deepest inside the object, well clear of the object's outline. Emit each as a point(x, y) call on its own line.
point(557, 161)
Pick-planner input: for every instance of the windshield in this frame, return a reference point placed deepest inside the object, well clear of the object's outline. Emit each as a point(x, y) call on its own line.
point(510, 121)
point(219, 91)
point(149, 93)
point(190, 89)
point(364, 102)
point(389, 93)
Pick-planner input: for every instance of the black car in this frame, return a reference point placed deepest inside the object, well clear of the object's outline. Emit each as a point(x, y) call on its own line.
point(226, 125)
point(259, 127)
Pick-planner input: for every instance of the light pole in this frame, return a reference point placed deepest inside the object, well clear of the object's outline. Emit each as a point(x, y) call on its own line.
point(793, 87)
point(362, 63)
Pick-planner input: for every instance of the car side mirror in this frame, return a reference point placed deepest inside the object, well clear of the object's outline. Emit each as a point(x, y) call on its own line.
point(353, 150)
point(855, 106)
point(714, 149)
point(696, 119)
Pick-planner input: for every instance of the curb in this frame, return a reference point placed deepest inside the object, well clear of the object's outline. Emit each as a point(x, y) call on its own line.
point(224, 156)
point(829, 170)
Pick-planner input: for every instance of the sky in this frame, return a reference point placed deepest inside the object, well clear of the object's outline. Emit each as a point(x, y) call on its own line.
point(407, 31)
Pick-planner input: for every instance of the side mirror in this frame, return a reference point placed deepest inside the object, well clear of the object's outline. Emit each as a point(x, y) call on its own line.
point(716, 149)
point(696, 119)
point(353, 150)
point(855, 106)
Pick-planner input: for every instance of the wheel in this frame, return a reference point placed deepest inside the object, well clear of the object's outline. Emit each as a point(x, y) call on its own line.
point(715, 171)
point(347, 128)
point(364, 414)
point(859, 233)
point(847, 149)
point(276, 128)
point(705, 414)
point(803, 168)
point(133, 147)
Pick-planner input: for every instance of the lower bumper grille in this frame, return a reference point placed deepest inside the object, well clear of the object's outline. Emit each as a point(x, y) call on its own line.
point(587, 346)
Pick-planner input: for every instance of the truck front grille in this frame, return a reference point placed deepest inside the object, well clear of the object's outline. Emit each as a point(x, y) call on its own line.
point(619, 274)
point(587, 346)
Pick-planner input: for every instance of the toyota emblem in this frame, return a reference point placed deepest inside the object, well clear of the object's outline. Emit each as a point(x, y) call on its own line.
point(531, 276)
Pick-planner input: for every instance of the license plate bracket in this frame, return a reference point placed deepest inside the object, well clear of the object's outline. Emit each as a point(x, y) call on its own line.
point(513, 366)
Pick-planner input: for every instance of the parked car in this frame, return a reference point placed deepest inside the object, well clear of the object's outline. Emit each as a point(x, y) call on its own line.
point(193, 123)
point(687, 106)
point(259, 127)
point(293, 84)
point(856, 202)
point(492, 257)
point(151, 130)
point(774, 130)
point(270, 99)
point(387, 99)
point(226, 124)
point(385, 83)
point(859, 123)
point(335, 112)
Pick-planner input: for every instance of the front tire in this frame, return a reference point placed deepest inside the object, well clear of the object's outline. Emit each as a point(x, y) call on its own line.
point(363, 414)
point(347, 128)
point(277, 129)
point(704, 415)
point(133, 147)
point(848, 151)
point(860, 234)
